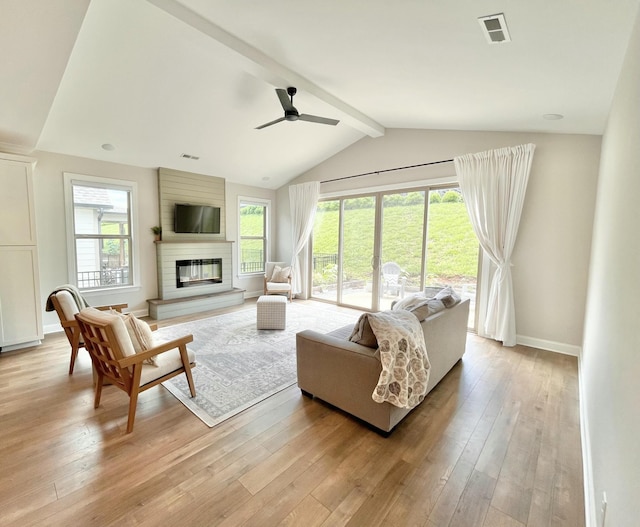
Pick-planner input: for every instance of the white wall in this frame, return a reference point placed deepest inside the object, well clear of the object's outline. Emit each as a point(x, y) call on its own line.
point(253, 284)
point(52, 239)
point(610, 365)
point(551, 255)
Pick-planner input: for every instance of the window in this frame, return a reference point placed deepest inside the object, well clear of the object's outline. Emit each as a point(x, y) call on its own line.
point(99, 222)
point(253, 235)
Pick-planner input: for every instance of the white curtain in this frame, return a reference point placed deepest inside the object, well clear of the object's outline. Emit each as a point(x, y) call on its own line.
point(494, 184)
point(303, 199)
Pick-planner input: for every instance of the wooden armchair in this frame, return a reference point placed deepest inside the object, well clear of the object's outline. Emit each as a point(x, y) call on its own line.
point(277, 279)
point(66, 307)
point(108, 342)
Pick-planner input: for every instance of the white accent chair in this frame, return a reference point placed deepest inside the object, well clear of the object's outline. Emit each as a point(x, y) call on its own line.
point(277, 285)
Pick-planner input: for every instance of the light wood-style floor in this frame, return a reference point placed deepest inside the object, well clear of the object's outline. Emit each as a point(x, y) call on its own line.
point(497, 443)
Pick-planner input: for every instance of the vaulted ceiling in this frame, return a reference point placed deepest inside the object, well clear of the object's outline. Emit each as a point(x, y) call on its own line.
point(160, 78)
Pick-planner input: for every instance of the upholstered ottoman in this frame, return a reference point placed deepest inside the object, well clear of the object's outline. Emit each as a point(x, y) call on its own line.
point(272, 312)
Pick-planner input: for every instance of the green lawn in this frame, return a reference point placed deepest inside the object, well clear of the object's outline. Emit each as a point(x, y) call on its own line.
point(452, 248)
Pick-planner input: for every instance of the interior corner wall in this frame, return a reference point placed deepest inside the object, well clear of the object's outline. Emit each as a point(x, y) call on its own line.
point(51, 227)
point(551, 255)
point(610, 362)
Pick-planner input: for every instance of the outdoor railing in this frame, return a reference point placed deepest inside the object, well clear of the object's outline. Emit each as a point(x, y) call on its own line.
point(102, 278)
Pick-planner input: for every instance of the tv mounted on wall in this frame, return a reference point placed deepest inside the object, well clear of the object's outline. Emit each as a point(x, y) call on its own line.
point(201, 219)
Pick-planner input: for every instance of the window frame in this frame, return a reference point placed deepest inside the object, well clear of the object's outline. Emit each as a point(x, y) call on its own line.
point(266, 204)
point(74, 179)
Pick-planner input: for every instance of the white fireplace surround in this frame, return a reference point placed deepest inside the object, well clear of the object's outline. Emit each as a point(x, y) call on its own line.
point(168, 253)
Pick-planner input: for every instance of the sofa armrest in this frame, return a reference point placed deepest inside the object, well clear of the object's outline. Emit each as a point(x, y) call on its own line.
point(335, 369)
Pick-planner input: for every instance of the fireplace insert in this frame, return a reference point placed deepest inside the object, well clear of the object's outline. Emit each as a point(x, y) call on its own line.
point(198, 272)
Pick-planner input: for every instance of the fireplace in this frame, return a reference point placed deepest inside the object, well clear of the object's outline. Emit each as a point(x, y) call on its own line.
point(198, 272)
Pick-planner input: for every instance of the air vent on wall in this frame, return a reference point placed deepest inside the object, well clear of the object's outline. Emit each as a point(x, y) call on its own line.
point(495, 28)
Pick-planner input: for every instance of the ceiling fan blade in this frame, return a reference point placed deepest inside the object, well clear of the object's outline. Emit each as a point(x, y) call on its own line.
point(269, 123)
point(284, 99)
point(316, 119)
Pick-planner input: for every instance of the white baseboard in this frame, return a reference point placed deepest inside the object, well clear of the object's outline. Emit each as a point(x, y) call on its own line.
point(52, 328)
point(587, 465)
point(549, 345)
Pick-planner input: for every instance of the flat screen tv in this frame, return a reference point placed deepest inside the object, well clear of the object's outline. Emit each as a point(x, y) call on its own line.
point(201, 219)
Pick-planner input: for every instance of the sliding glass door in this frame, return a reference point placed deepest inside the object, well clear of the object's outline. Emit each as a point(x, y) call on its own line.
point(371, 250)
point(357, 251)
point(402, 250)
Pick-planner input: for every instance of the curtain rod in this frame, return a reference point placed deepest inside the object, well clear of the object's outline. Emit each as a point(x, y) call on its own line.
point(389, 170)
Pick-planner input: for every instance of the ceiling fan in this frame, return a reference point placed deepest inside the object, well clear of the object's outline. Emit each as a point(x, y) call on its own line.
point(291, 113)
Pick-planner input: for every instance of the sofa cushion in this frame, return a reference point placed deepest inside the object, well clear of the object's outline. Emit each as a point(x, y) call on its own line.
point(363, 334)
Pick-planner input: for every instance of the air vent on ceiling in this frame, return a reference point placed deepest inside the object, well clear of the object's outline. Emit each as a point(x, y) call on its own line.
point(189, 156)
point(495, 28)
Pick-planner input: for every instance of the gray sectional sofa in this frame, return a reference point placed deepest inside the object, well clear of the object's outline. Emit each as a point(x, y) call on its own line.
point(344, 373)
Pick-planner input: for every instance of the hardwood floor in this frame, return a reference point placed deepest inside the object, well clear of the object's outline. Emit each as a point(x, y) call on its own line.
point(497, 443)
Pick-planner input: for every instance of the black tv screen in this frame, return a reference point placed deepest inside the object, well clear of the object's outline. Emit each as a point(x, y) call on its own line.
point(201, 219)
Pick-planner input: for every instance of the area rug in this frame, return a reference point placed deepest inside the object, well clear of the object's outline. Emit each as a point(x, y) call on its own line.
point(237, 365)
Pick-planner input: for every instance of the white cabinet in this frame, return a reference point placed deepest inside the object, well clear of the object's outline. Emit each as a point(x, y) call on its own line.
point(20, 304)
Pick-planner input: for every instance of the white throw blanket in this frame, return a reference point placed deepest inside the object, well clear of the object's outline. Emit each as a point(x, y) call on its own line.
point(403, 353)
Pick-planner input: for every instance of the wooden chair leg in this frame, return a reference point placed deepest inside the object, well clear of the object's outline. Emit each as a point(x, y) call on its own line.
point(187, 369)
point(75, 345)
point(133, 402)
point(133, 396)
point(192, 386)
point(99, 382)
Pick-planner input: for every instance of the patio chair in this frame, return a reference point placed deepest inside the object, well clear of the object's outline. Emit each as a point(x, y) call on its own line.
point(393, 281)
point(113, 352)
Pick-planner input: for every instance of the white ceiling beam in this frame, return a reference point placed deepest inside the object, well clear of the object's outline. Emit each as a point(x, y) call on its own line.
point(267, 69)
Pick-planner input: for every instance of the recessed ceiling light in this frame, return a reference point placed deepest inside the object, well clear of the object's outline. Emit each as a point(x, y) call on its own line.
point(552, 116)
point(108, 146)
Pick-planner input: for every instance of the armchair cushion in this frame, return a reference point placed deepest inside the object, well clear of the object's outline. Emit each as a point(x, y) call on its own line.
point(280, 275)
point(140, 334)
point(165, 363)
point(68, 304)
point(117, 324)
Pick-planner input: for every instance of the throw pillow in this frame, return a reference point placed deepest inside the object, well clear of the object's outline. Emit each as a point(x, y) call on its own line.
point(140, 334)
point(280, 274)
point(420, 306)
point(448, 296)
point(363, 334)
point(432, 291)
point(408, 303)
